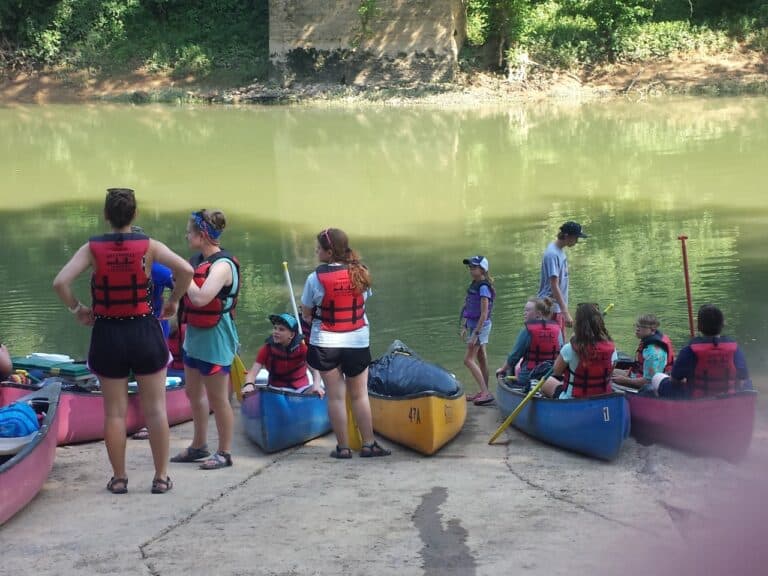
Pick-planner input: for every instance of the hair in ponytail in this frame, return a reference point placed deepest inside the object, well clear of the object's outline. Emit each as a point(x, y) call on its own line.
point(337, 242)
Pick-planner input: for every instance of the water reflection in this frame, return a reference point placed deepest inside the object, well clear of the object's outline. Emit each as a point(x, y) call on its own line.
point(417, 190)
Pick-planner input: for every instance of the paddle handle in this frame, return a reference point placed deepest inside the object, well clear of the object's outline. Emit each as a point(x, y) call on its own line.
point(682, 239)
point(516, 411)
point(293, 298)
point(608, 309)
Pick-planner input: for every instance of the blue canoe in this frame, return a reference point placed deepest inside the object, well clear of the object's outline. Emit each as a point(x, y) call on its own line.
point(595, 426)
point(278, 418)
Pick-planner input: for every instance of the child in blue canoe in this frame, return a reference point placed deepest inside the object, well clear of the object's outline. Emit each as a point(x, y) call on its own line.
point(538, 341)
point(284, 355)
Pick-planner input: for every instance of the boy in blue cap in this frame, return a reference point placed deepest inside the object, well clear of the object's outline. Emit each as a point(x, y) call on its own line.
point(284, 355)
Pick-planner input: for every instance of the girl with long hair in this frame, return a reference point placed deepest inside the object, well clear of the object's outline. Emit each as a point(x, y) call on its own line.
point(334, 301)
point(588, 358)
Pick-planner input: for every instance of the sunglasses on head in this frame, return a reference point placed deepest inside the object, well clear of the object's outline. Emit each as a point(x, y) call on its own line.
point(325, 234)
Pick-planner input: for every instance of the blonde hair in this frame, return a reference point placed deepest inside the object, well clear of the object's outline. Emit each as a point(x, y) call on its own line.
point(543, 306)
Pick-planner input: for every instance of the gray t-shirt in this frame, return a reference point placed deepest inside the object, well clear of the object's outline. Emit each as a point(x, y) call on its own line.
point(554, 263)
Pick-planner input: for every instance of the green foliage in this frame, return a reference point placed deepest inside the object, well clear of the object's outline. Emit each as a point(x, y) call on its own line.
point(660, 39)
point(570, 33)
point(478, 18)
point(184, 37)
point(611, 18)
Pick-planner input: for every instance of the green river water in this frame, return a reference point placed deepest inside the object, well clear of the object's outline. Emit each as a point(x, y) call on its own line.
point(417, 190)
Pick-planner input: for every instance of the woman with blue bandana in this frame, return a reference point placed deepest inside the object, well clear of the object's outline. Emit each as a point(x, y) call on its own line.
point(211, 340)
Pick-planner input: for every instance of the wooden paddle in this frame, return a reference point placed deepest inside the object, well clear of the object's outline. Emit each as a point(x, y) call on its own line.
point(354, 438)
point(516, 411)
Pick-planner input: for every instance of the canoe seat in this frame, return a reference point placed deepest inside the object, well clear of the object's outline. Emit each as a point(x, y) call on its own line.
point(10, 446)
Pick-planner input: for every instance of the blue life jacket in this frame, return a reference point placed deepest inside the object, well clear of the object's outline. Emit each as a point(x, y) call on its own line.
point(18, 419)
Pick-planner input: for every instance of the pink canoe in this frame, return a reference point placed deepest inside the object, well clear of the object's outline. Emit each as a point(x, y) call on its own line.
point(82, 412)
point(718, 426)
point(25, 467)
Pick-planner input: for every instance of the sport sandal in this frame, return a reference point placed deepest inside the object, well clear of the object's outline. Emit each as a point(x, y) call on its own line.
point(342, 453)
point(218, 460)
point(160, 486)
point(191, 454)
point(117, 485)
point(373, 450)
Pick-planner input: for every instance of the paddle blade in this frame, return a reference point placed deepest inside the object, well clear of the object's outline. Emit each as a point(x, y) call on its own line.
point(354, 439)
point(237, 374)
point(516, 411)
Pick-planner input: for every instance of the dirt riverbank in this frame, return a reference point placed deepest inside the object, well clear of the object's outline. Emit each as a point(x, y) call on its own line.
point(473, 509)
point(733, 73)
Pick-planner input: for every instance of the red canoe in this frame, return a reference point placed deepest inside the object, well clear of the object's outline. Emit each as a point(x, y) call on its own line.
point(25, 466)
point(717, 426)
point(82, 412)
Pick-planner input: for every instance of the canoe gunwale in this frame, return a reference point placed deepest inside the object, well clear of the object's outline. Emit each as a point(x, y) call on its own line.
point(517, 391)
point(425, 394)
point(50, 394)
point(725, 396)
point(284, 391)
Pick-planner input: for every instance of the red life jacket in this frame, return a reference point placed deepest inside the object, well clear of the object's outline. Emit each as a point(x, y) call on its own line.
point(659, 339)
point(120, 287)
point(343, 307)
point(593, 375)
point(287, 366)
point(224, 302)
point(545, 342)
point(715, 371)
point(176, 347)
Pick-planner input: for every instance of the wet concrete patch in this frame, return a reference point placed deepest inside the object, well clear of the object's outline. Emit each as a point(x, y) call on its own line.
point(445, 550)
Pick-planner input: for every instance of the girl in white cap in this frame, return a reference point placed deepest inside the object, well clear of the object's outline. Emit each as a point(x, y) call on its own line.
point(476, 325)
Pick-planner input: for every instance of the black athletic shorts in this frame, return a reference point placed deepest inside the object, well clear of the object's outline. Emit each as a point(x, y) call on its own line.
point(352, 361)
point(119, 347)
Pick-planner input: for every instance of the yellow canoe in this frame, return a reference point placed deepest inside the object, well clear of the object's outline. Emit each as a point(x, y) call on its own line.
point(424, 422)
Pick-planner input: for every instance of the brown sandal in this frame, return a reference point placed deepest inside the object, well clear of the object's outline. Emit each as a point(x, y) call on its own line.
point(342, 453)
point(373, 450)
point(117, 485)
point(160, 486)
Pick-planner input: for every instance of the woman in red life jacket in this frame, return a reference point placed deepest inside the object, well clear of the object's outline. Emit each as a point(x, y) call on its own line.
point(126, 336)
point(334, 301)
point(210, 340)
point(709, 365)
point(476, 326)
point(538, 341)
point(655, 354)
point(284, 355)
point(587, 359)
